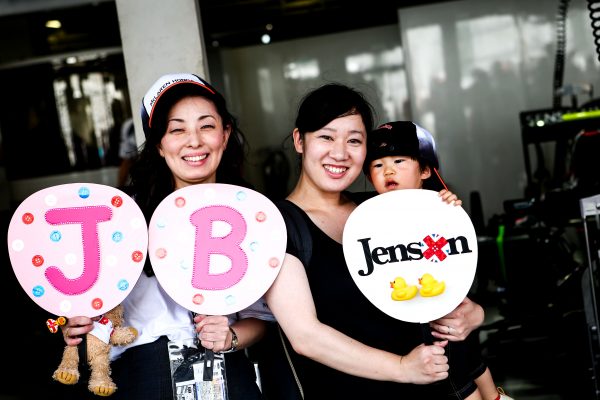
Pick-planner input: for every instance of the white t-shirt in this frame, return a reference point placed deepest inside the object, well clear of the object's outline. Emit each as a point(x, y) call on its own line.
point(150, 310)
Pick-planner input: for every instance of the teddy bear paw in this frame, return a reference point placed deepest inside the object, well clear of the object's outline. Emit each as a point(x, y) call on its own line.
point(122, 336)
point(66, 376)
point(102, 388)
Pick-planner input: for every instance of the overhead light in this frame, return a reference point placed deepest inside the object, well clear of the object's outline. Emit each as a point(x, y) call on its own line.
point(53, 24)
point(266, 38)
point(71, 60)
point(269, 27)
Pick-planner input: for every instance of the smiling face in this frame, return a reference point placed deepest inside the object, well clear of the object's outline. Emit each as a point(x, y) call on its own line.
point(332, 157)
point(194, 141)
point(397, 172)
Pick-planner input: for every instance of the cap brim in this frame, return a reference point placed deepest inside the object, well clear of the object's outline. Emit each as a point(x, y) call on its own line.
point(173, 90)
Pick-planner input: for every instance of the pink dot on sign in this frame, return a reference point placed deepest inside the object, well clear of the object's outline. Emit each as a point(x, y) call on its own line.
point(27, 218)
point(261, 216)
point(161, 253)
point(198, 299)
point(137, 256)
point(274, 262)
point(37, 260)
point(179, 202)
point(117, 201)
point(97, 303)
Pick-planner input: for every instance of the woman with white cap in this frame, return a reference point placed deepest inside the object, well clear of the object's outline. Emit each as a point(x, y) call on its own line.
point(191, 138)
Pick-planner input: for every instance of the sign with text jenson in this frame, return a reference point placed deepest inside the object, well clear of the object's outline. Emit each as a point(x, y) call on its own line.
point(411, 254)
point(216, 248)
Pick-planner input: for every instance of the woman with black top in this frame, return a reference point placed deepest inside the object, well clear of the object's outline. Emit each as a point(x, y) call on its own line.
point(343, 347)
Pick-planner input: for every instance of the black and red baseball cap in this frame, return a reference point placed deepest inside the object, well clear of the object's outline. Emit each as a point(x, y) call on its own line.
point(403, 138)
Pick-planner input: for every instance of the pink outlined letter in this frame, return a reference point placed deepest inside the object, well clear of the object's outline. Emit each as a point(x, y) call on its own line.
point(88, 218)
point(228, 245)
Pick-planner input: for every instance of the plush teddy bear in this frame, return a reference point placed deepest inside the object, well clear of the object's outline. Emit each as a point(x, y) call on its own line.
point(107, 331)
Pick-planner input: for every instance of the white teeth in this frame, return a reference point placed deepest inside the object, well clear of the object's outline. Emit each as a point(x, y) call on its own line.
point(195, 158)
point(335, 170)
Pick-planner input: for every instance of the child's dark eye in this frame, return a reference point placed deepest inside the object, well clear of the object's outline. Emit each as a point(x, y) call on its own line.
point(379, 165)
point(399, 160)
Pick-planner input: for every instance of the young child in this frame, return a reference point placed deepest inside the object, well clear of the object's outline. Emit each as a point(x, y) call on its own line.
point(402, 155)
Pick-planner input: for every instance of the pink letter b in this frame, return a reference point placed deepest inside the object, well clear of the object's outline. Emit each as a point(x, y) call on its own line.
point(228, 245)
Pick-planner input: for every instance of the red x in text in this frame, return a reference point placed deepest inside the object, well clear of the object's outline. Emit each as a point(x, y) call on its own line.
point(435, 248)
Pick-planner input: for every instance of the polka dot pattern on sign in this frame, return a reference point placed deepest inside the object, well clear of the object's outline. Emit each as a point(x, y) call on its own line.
point(213, 247)
point(87, 241)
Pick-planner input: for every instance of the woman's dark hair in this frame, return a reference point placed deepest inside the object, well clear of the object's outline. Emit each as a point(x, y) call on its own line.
point(328, 102)
point(151, 178)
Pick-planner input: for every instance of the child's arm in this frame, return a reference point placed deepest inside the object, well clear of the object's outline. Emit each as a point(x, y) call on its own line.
point(450, 197)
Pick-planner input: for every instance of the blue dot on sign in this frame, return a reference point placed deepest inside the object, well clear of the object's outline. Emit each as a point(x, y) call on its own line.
point(229, 300)
point(38, 291)
point(117, 237)
point(123, 284)
point(55, 236)
point(84, 192)
point(241, 195)
point(253, 246)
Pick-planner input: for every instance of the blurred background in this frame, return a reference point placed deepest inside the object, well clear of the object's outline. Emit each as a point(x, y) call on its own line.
point(506, 87)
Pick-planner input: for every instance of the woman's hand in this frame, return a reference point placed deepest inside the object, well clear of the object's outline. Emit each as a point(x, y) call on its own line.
point(449, 197)
point(75, 328)
point(213, 332)
point(426, 364)
point(457, 325)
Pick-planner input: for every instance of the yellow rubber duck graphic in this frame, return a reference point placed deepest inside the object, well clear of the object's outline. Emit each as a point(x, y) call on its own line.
point(402, 291)
point(430, 286)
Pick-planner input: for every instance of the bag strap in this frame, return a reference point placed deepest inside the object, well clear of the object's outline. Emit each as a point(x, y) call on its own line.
point(297, 230)
point(289, 360)
point(301, 239)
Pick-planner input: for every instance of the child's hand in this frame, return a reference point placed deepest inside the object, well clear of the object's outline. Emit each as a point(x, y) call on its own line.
point(450, 197)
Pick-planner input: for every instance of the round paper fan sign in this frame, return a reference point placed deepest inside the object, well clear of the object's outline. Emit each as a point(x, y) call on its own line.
point(79, 248)
point(216, 248)
point(411, 254)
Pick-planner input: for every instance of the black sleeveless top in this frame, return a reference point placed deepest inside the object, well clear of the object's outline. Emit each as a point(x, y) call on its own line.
point(340, 304)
